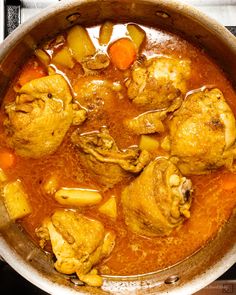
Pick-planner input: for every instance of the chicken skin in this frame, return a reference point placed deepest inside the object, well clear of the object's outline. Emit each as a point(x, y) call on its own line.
point(157, 87)
point(78, 242)
point(39, 118)
point(105, 161)
point(158, 200)
point(159, 83)
point(203, 133)
point(96, 94)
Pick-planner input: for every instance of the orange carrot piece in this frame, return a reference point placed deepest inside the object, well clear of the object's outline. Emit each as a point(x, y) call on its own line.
point(7, 159)
point(31, 72)
point(122, 53)
point(229, 182)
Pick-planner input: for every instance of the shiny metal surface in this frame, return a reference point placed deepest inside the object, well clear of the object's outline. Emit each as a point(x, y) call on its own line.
point(200, 269)
point(223, 11)
point(219, 288)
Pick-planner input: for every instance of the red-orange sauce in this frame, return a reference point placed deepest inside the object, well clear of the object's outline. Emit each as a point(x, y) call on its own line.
point(133, 254)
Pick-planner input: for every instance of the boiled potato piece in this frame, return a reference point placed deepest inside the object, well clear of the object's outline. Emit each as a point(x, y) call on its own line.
point(80, 43)
point(93, 271)
point(42, 56)
point(64, 58)
point(109, 208)
point(16, 200)
point(105, 33)
point(136, 34)
point(148, 143)
point(3, 176)
point(77, 197)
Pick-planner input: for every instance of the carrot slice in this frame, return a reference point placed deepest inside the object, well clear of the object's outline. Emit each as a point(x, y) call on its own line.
point(30, 72)
point(7, 159)
point(122, 53)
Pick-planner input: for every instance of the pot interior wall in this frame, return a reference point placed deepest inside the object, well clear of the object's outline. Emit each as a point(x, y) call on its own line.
point(168, 15)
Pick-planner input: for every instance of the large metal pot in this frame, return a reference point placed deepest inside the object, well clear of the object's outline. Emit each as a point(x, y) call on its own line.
point(196, 271)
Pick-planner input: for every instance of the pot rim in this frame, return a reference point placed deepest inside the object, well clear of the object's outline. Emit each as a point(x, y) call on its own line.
point(45, 13)
point(13, 258)
point(189, 288)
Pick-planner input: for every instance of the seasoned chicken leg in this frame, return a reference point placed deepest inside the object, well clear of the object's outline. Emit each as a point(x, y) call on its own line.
point(40, 116)
point(157, 87)
point(97, 95)
point(105, 160)
point(78, 242)
point(150, 121)
point(158, 200)
point(203, 133)
point(158, 83)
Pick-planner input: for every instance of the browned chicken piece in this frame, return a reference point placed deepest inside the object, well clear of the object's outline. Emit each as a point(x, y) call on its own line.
point(147, 123)
point(105, 160)
point(96, 94)
point(203, 133)
point(39, 118)
point(78, 242)
point(159, 83)
point(150, 121)
point(158, 200)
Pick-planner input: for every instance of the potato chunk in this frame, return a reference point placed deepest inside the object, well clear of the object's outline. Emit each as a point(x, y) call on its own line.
point(3, 176)
point(16, 200)
point(42, 56)
point(105, 33)
point(148, 143)
point(77, 197)
point(80, 43)
point(64, 58)
point(137, 34)
point(109, 208)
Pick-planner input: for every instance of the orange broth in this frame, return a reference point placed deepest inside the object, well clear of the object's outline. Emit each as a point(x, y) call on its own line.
point(133, 254)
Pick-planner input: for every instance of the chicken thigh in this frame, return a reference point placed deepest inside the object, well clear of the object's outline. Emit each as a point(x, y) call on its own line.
point(203, 133)
point(157, 87)
point(105, 160)
point(146, 123)
point(39, 118)
point(158, 200)
point(78, 242)
point(96, 94)
point(158, 83)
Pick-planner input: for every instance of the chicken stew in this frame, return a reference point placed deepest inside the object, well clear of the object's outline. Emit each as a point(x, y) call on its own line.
point(117, 149)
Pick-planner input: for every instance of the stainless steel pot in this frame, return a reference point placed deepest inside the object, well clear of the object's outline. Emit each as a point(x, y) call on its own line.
point(27, 259)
